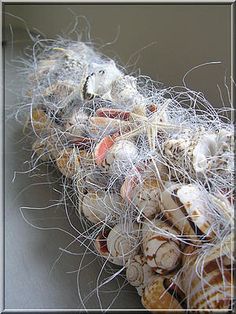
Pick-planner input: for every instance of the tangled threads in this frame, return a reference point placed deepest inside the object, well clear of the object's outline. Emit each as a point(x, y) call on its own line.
point(151, 178)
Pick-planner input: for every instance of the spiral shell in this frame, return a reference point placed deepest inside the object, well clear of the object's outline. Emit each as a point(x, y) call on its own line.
point(160, 246)
point(161, 293)
point(118, 244)
point(101, 207)
point(207, 283)
point(138, 272)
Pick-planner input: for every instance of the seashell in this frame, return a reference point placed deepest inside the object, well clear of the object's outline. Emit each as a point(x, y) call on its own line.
point(185, 207)
point(68, 162)
point(144, 196)
point(207, 282)
point(115, 157)
point(200, 154)
point(39, 121)
point(102, 126)
point(160, 246)
point(100, 79)
point(124, 91)
point(40, 149)
point(162, 293)
point(118, 244)
point(113, 113)
point(77, 124)
point(101, 207)
point(139, 273)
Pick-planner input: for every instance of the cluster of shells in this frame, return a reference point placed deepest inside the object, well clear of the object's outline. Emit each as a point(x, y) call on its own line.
point(153, 179)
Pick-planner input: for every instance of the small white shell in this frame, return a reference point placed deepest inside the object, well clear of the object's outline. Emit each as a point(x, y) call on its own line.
point(118, 244)
point(101, 207)
point(77, 123)
point(120, 157)
point(138, 272)
point(160, 246)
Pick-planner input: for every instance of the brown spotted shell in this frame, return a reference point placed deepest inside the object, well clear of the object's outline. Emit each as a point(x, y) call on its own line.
point(68, 162)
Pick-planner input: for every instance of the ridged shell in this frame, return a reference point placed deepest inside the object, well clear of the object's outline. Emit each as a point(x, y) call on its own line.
point(77, 123)
point(158, 295)
point(138, 272)
point(213, 289)
point(162, 250)
point(101, 207)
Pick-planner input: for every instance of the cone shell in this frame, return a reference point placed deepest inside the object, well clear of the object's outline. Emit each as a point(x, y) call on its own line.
point(159, 295)
point(162, 250)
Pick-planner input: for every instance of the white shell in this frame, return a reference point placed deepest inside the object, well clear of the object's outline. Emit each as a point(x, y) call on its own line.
point(182, 203)
point(120, 157)
point(146, 197)
point(101, 207)
point(100, 80)
point(77, 123)
point(138, 272)
point(160, 246)
point(120, 243)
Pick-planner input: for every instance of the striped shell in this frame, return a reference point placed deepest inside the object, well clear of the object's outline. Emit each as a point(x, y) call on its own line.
point(207, 284)
point(160, 246)
point(77, 123)
point(138, 272)
point(161, 293)
point(101, 207)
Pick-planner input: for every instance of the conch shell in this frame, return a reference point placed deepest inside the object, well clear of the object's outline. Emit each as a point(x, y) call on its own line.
point(118, 244)
point(160, 246)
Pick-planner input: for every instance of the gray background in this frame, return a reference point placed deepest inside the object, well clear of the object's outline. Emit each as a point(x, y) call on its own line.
point(184, 36)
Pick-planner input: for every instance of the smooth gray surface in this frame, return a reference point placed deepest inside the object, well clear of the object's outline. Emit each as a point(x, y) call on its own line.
point(186, 36)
